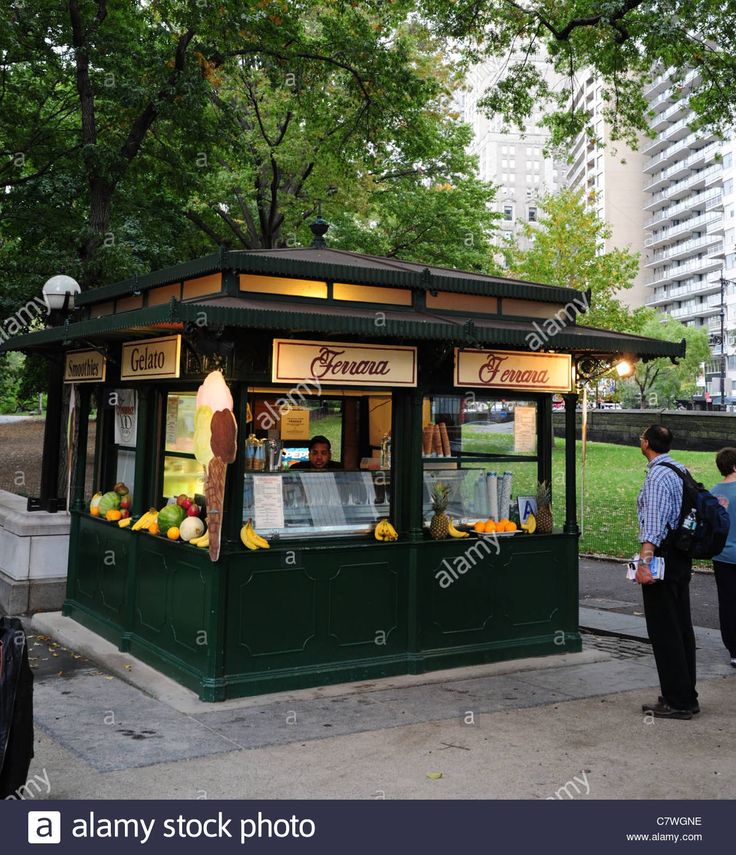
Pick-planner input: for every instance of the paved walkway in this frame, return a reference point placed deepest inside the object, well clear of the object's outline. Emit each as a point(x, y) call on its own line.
point(115, 728)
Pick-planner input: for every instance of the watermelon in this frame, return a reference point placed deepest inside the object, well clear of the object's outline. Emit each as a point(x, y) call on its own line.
point(109, 502)
point(169, 516)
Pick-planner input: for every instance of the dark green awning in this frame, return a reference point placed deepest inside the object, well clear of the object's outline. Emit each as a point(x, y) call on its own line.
point(303, 319)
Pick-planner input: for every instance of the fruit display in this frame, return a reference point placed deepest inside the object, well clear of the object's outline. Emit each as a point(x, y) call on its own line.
point(146, 520)
point(109, 502)
point(439, 528)
point(544, 508)
point(455, 532)
point(113, 505)
point(385, 531)
point(501, 526)
point(203, 541)
point(251, 539)
point(190, 528)
point(530, 525)
point(170, 515)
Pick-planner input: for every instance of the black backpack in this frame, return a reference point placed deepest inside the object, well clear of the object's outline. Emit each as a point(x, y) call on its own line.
point(708, 535)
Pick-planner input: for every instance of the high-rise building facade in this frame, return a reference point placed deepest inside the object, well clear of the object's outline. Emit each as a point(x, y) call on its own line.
point(514, 161)
point(690, 222)
point(610, 174)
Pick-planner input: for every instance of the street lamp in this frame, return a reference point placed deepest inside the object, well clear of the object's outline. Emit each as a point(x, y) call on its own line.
point(59, 292)
point(723, 283)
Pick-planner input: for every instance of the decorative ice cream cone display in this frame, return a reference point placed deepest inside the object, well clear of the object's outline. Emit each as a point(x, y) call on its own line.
point(215, 445)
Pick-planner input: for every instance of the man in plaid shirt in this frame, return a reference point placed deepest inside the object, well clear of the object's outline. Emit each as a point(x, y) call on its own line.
point(666, 602)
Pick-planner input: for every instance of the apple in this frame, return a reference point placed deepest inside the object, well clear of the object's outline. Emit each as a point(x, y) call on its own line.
point(193, 510)
point(183, 501)
point(124, 513)
point(126, 502)
point(120, 489)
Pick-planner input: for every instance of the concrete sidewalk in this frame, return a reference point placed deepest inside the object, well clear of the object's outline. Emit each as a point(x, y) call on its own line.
point(114, 728)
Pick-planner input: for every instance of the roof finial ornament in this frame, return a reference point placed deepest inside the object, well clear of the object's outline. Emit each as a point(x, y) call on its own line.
point(319, 229)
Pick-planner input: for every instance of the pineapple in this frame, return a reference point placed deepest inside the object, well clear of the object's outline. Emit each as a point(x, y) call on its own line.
point(439, 528)
point(544, 510)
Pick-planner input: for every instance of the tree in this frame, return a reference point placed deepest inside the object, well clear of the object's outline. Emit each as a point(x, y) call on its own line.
point(660, 383)
point(367, 131)
point(564, 249)
point(624, 42)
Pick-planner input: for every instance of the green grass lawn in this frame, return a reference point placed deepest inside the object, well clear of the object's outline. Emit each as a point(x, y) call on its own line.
point(613, 478)
point(614, 475)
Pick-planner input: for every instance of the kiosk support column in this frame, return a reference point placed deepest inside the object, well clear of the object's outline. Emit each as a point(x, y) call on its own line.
point(571, 516)
point(49, 499)
point(80, 465)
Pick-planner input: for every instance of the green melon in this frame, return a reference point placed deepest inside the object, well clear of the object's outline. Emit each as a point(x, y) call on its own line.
point(171, 515)
point(109, 502)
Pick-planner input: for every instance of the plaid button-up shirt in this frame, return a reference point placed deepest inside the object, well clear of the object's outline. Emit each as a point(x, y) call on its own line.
point(660, 500)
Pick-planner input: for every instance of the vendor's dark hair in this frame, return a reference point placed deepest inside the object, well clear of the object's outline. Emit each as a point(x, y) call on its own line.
point(318, 440)
point(659, 438)
point(726, 461)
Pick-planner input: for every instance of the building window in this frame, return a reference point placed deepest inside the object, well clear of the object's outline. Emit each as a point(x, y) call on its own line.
point(508, 212)
point(532, 215)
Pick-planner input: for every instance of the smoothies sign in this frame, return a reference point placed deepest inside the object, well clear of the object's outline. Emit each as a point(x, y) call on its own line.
point(509, 369)
point(84, 366)
point(335, 363)
point(151, 358)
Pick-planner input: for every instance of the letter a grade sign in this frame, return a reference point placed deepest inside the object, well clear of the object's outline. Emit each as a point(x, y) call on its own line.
point(151, 358)
point(335, 363)
point(513, 370)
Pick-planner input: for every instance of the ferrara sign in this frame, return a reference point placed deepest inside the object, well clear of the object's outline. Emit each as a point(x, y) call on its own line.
point(336, 363)
point(513, 370)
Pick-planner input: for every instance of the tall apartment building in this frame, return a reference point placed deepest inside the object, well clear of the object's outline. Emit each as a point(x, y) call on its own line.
point(515, 162)
point(610, 175)
point(690, 222)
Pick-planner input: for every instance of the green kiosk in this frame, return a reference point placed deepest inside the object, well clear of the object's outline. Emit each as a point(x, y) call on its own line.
point(414, 374)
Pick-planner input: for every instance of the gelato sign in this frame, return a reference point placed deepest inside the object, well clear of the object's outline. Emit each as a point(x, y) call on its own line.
point(84, 366)
point(338, 364)
point(151, 358)
point(513, 370)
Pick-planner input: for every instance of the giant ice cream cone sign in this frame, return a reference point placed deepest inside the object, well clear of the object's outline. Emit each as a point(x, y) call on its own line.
point(215, 445)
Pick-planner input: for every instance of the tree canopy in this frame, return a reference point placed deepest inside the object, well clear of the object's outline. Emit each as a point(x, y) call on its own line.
point(660, 383)
point(135, 135)
point(564, 248)
point(625, 43)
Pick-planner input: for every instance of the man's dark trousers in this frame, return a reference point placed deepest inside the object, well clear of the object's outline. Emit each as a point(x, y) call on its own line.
point(670, 628)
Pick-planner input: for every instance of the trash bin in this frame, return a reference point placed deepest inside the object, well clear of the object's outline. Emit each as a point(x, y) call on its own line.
point(16, 707)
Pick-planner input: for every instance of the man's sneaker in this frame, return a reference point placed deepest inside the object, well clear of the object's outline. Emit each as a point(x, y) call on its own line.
point(694, 709)
point(733, 662)
point(665, 711)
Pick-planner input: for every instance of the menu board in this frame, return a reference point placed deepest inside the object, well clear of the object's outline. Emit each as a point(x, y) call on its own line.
point(126, 417)
point(525, 430)
point(268, 499)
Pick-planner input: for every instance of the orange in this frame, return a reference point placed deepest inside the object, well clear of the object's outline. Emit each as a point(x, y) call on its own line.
point(511, 526)
point(95, 511)
point(153, 528)
point(489, 527)
point(113, 515)
point(173, 533)
point(480, 526)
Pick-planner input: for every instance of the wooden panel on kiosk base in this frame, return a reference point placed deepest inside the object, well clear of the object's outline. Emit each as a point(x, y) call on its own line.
point(314, 613)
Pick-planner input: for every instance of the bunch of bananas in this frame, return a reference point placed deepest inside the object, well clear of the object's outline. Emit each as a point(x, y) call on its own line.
point(453, 532)
point(203, 541)
point(251, 539)
point(150, 517)
point(385, 531)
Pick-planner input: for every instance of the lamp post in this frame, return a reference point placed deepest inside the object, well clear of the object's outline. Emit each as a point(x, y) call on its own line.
point(723, 283)
point(58, 294)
